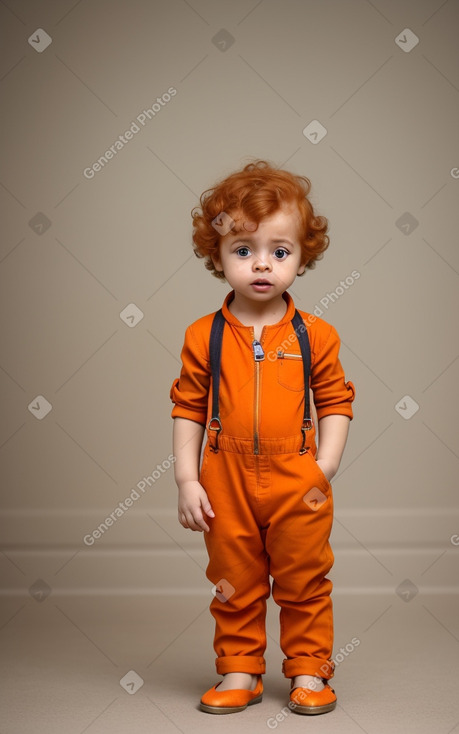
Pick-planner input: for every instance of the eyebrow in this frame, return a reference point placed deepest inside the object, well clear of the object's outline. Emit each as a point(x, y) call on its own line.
point(277, 241)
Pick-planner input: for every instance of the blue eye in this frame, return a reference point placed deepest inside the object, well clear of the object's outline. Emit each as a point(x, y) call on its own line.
point(281, 254)
point(243, 251)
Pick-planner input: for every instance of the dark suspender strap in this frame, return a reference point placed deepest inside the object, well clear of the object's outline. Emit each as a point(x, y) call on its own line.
point(302, 336)
point(215, 352)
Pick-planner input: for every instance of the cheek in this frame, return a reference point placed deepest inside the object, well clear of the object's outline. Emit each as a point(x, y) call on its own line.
point(288, 269)
point(235, 265)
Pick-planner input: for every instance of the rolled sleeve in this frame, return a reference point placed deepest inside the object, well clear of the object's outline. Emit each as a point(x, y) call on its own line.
point(332, 394)
point(189, 392)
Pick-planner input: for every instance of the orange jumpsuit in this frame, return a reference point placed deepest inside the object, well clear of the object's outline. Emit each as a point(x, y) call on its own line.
point(273, 506)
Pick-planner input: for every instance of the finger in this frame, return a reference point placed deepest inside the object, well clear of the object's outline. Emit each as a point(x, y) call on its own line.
point(207, 507)
point(200, 522)
point(183, 520)
point(193, 523)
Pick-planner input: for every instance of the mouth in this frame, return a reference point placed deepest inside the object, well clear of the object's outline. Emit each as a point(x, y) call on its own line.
point(261, 285)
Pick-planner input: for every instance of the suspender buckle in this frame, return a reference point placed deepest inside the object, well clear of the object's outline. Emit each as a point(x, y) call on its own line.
point(307, 425)
point(216, 426)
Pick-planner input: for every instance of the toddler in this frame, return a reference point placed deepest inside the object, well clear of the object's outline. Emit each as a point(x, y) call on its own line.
point(262, 494)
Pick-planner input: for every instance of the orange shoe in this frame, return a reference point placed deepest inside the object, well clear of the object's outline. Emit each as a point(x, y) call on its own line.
point(232, 701)
point(308, 701)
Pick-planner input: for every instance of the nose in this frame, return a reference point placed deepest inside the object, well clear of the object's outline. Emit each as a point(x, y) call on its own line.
point(260, 265)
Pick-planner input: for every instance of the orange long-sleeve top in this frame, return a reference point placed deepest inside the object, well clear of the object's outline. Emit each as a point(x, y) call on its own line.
point(263, 398)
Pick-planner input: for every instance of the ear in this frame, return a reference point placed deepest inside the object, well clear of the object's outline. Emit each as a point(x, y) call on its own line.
point(217, 262)
point(302, 268)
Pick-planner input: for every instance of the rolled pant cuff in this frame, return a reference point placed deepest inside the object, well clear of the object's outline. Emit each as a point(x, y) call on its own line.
point(308, 666)
point(240, 664)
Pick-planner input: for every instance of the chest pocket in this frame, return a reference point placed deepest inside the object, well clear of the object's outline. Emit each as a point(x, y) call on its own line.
point(290, 370)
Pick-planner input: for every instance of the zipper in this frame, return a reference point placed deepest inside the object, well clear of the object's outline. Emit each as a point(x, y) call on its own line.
point(286, 355)
point(258, 356)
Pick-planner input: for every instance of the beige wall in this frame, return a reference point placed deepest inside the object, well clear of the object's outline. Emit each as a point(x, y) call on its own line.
point(390, 157)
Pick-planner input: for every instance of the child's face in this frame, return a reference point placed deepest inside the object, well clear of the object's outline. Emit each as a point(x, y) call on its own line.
point(260, 265)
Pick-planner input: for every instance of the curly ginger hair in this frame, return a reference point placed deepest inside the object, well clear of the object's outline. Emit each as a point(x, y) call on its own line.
point(251, 194)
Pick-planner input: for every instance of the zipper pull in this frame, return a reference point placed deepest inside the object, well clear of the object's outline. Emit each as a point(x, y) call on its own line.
point(258, 352)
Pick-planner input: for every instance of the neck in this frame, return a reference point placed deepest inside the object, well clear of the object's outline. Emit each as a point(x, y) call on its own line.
point(250, 312)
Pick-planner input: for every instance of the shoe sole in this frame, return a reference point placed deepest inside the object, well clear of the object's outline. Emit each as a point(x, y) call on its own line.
point(312, 710)
point(228, 709)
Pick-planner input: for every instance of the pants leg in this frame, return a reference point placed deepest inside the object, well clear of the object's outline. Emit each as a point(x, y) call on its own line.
point(238, 564)
point(273, 515)
point(297, 542)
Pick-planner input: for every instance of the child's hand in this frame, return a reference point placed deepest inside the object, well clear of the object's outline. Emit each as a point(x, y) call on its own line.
point(193, 506)
point(327, 468)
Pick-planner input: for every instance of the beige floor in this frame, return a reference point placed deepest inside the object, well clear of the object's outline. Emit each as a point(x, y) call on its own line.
point(63, 658)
